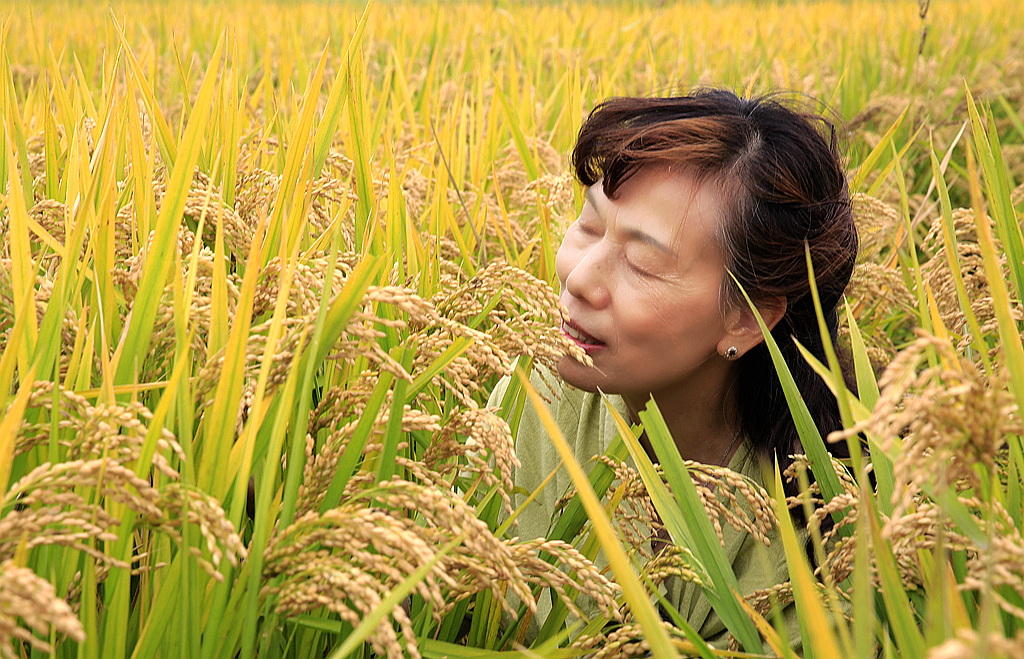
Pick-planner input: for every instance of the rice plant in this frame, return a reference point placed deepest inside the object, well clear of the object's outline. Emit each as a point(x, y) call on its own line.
point(262, 265)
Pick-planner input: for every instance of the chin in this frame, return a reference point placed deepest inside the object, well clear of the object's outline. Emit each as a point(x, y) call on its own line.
point(576, 375)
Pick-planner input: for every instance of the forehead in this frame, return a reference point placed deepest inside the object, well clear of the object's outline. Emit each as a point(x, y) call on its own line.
point(666, 204)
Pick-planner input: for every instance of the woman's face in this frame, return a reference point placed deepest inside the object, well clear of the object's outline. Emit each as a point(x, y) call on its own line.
point(640, 279)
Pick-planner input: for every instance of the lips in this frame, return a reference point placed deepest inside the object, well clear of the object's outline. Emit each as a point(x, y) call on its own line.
point(582, 339)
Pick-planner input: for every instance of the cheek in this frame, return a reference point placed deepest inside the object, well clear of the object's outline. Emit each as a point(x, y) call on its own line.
point(666, 314)
point(654, 312)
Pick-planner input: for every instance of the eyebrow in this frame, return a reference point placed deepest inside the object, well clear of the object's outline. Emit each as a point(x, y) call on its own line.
point(648, 239)
point(635, 234)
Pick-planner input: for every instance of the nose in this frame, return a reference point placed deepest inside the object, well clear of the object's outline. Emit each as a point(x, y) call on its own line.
point(588, 279)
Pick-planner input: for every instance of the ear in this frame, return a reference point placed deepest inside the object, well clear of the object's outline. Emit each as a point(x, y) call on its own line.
point(742, 330)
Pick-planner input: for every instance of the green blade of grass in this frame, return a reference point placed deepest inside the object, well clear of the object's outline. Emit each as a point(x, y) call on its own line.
point(361, 142)
point(360, 436)
point(389, 449)
point(870, 163)
point(23, 268)
point(337, 98)
point(864, 592)
point(16, 131)
point(9, 426)
point(219, 421)
point(998, 192)
point(282, 226)
point(840, 391)
point(512, 117)
point(297, 454)
point(949, 242)
point(265, 519)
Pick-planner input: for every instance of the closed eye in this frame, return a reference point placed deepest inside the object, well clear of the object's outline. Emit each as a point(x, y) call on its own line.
point(640, 271)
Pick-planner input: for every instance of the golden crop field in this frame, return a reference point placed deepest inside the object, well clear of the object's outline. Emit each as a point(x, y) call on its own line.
point(262, 264)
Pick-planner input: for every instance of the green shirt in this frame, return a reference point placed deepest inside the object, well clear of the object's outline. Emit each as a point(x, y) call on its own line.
point(589, 429)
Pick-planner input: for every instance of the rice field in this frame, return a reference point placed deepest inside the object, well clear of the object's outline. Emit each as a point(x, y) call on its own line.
point(262, 264)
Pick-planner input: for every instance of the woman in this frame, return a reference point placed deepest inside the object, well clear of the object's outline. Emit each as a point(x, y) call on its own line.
point(684, 195)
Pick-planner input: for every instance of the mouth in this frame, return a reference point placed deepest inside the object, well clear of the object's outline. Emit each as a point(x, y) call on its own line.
point(580, 337)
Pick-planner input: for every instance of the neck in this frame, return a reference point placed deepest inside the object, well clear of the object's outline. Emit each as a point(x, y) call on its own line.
point(699, 419)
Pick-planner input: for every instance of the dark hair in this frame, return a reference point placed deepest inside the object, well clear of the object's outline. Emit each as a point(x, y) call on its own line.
point(783, 179)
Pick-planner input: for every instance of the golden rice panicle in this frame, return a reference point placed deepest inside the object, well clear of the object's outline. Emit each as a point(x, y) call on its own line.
point(350, 557)
point(1017, 195)
point(766, 599)
point(358, 341)
point(940, 420)
point(431, 334)
point(481, 561)
point(635, 517)
point(968, 644)
point(940, 278)
point(321, 463)
point(375, 551)
point(946, 421)
point(523, 318)
point(998, 566)
point(726, 495)
point(734, 498)
point(31, 599)
point(553, 190)
point(55, 506)
point(340, 402)
point(487, 439)
point(623, 642)
point(876, 226)
point(553, 187)
point(43, 288)
point(305, 292)
point(203, 202)
point(180, 505)
point(93, 431)
point(879, 298)
point(577, 573)
point(466, 374)
point(965, 230)
point(925, 527)
point(672, 561)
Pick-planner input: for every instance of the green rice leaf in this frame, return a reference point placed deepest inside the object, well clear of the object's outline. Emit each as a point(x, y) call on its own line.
point(625, 575)
point(135, 342)
point(814, 447)
point(1009, 331)
point(816, 628)
point(165, 138)
point(687, 521)
point(902, 623)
